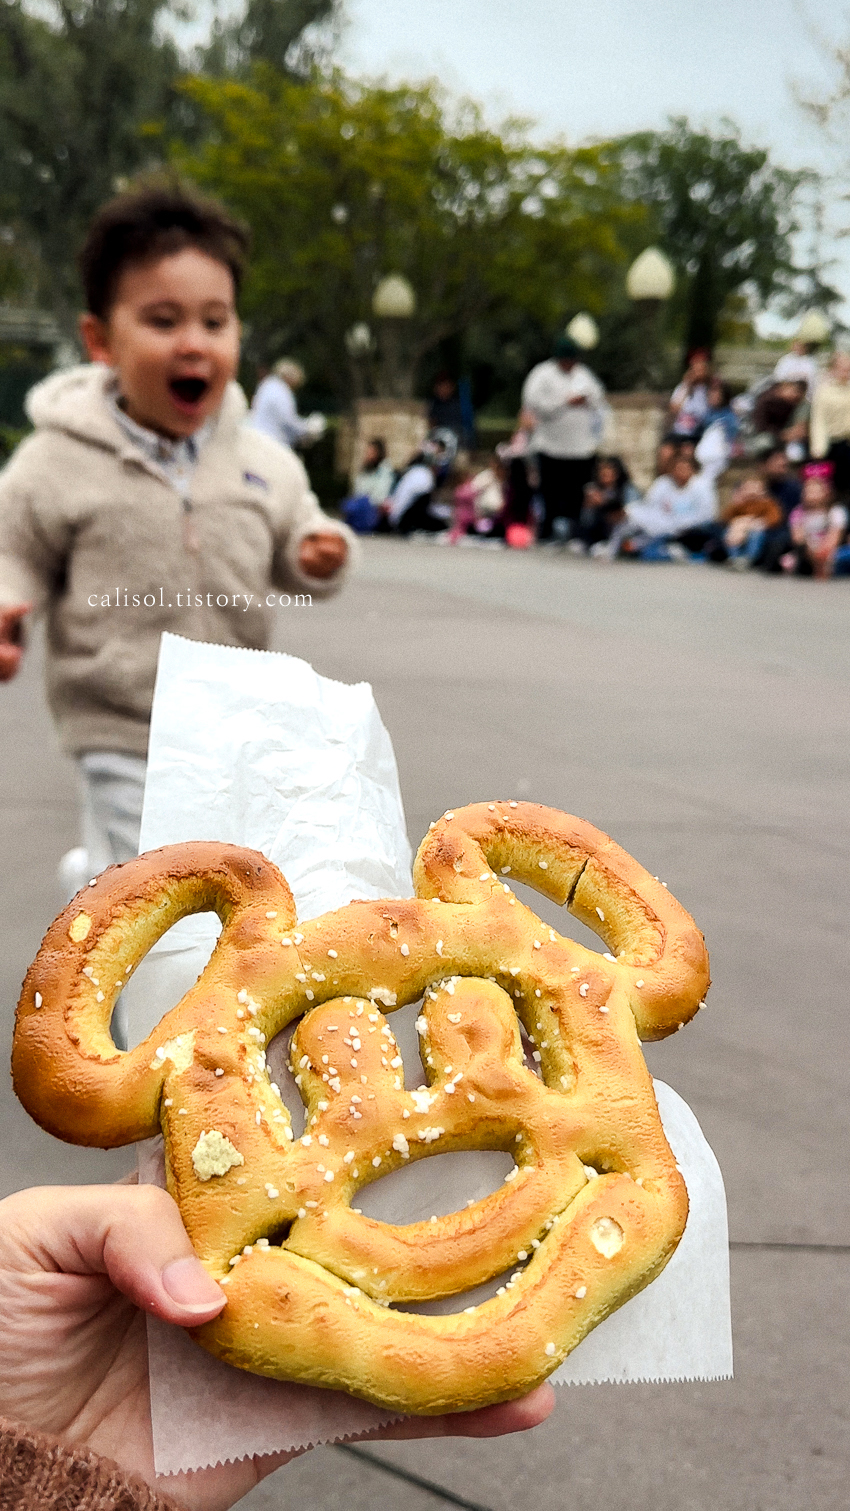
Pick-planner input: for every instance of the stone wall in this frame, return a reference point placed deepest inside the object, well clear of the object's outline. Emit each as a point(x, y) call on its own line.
point(638, 423)
point(402, 424)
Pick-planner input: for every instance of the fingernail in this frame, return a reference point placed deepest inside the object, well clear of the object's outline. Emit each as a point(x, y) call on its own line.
point(188, 1283)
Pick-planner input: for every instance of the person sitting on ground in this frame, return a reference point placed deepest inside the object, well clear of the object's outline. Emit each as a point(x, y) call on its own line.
point(605, 499)
point(818, 525)
point(678, 511)
point(830, 423)
point(779, 479)
point(79, 1268)
point(479, 503)
point(719, 440)
point(689, 400)
point(748, 519)
point(143, 503)
point(274, 407)
point(372, 487)
point(410, 507)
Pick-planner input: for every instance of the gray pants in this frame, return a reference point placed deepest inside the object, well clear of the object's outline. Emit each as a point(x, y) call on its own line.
point(113, 787)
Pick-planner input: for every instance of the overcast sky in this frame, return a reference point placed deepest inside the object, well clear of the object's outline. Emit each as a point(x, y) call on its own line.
point(585, 68)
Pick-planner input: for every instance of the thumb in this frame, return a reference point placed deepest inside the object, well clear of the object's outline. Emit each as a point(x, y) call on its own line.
point(133, 1235)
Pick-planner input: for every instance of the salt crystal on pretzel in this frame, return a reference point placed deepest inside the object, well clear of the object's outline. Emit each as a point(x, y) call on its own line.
point(311, 1283)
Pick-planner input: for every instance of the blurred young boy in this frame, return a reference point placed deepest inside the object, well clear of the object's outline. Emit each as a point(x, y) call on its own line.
point(142, 503)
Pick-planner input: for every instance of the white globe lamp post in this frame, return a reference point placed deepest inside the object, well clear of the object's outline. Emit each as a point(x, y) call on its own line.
point(650, 282)
point(814, 328)
point(584, 331)
point(393, 305)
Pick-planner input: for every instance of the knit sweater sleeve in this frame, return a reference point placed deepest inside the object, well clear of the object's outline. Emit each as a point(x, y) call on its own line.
point(34, 532)
point(300, 514)
point(40, 1474)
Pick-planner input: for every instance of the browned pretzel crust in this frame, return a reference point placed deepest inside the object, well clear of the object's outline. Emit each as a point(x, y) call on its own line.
point(595, 1205)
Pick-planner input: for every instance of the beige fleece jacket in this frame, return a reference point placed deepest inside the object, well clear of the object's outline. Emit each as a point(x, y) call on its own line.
point(94, 536)
point(830, 416)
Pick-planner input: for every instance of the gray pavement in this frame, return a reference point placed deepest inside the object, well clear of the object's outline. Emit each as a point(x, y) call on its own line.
point(703, 719)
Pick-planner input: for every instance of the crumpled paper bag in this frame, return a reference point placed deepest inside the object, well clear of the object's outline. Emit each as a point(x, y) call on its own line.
point(256, 749)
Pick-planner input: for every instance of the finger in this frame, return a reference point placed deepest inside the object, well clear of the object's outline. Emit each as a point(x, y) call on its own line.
point(132, 1235)
point(486, 1422)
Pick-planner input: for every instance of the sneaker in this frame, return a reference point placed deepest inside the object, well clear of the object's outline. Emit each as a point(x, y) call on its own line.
point(675, 552)
point(576, 547)
point(73, 872)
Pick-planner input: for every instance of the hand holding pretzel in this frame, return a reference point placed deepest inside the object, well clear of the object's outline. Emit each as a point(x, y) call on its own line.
point(594, 1206)
point(78, 1266)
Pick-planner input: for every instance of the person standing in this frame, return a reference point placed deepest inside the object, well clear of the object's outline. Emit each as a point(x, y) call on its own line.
point(274, 407)
point(829, 436)
point(567, 404)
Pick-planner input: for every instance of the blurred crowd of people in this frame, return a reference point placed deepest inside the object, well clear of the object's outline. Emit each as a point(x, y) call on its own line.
point(759, 480)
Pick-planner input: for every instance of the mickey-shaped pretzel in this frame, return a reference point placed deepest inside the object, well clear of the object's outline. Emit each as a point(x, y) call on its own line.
point(592, 1209)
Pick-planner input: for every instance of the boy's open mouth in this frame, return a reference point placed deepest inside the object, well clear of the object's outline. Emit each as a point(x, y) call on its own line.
point(188, 390)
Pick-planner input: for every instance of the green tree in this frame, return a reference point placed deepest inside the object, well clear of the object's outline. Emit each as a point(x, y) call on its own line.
point(726, 216)
point(77, 85)
point(344, 181)
point(87, 90)
point(293, 36)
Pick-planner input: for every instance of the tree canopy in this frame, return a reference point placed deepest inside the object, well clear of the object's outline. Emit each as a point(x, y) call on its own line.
point(345, 181)
point(78, 85)
point(726, 216)
point(503, 237)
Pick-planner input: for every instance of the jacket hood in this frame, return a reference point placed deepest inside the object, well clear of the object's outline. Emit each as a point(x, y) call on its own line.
point(75, 401)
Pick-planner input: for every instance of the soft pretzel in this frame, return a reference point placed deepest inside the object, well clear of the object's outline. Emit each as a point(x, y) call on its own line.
point(594, 1205)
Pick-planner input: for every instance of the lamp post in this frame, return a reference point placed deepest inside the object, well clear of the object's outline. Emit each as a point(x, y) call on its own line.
point(393, 305)
point(814, 328)
point(650, 282)
point(584, 331)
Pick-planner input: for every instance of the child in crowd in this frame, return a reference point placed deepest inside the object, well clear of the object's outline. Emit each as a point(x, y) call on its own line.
point(605, 500)
point(372, 487)
point(818, 525)
point(479, 503)
point(749, 517)
point(675, 517)
point(142, 503)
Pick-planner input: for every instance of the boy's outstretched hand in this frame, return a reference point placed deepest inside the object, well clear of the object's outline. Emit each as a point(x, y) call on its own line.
point(11, 648)
point(322, 553)
point(78, 1268)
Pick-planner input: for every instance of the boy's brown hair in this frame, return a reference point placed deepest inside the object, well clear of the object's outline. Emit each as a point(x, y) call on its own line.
point(152, 221)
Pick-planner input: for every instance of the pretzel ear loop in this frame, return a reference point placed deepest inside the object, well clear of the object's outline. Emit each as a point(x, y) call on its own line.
point(594, 1204)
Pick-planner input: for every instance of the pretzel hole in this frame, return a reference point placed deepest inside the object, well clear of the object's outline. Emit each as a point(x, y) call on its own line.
point(435, 1186)
point(529, 1048)
point(163, 976)
point(277, 1065)
point(447, 1306)
point(557, 916)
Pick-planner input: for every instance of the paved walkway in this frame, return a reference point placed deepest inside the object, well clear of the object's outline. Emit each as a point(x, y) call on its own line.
point(702, 718)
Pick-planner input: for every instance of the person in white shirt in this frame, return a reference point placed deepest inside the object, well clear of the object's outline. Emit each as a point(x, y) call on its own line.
point(799, 365)
point(679, 507)
point(274, 408)
point(567, 407)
